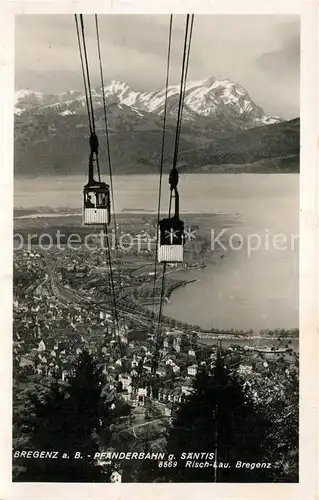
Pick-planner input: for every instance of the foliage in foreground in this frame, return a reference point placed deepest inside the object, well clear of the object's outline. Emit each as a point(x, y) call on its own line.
point(222, 417)
point(66, 419)
point(254, 422)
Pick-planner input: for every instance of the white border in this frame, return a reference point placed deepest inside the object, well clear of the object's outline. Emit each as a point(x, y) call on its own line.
point(308, 486)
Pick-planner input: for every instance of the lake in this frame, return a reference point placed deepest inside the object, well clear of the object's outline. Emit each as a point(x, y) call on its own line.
point(245, 288)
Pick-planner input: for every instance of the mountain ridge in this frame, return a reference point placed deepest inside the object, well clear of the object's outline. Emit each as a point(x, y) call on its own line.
point(221, 126)
point(208, 97)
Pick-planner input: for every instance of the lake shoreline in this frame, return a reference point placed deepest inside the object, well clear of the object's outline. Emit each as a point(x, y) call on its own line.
point(206, 335)
point(240, 292)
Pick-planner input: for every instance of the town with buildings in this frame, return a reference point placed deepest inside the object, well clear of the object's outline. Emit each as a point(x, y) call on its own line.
point(60, 310)
point(62, 306)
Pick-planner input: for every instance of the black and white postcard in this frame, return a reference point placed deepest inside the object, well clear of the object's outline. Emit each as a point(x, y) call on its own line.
point(159, 269)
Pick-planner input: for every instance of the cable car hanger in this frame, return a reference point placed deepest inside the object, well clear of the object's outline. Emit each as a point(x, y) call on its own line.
point(96, 211)
point(170, 231)
point(96, 205)
point(171, 236)
point(96, 194)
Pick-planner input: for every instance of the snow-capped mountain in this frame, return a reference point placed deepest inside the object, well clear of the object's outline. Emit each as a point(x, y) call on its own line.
point(221, 126)
point(207, 99)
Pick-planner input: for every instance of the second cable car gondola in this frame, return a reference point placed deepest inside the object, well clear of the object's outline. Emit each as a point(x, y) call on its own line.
point(171, 240)
point(171, 236)
point(96, 194)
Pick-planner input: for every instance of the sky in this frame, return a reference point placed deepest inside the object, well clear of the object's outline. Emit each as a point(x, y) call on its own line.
point(260, 52)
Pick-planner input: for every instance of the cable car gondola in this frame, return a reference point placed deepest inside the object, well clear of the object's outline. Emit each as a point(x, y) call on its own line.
point(171, 240)
point(171, 237)
point(96, 194)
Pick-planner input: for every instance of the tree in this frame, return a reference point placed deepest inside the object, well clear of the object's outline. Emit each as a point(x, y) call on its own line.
point(68, 420)
point(148, 469)
point(284, 411)
point(24, 386)
point(218, 417)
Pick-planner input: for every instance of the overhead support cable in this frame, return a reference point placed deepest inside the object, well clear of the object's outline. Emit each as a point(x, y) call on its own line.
point(162, 158)
point(184, 72)
point(83, 73)
point(94, 145)
point(108, 149)
point(87, 72)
